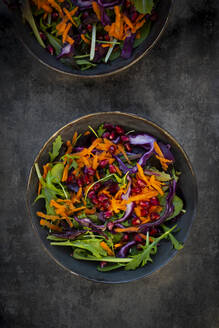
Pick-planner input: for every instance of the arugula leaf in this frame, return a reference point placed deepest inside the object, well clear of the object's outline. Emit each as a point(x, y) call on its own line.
point(176, 244)
point(55, 42)
point(91, 245)
point(148, 250)
point(144, 6)
point(28, 16)
point(57, 144)
point(101, 130)
point(49, 195)
point(57, 172)
point(144, 32)
point(110, 267)
point(83, 255)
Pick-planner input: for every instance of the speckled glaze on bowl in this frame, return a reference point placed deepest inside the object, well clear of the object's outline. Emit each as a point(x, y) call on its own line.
point(118, 65)
point(187, 187)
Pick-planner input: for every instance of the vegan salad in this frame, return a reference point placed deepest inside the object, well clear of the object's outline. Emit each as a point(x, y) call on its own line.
point(110, 195)
point(84, 33)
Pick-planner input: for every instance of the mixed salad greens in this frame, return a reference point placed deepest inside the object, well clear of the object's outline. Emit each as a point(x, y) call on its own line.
point(110, 195)
point(84, 33)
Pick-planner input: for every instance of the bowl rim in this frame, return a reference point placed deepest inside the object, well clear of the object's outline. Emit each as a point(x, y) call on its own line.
point(173, 141)
point(102, 75)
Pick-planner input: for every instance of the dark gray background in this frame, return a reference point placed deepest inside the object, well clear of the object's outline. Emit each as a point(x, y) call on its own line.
point(175, 86)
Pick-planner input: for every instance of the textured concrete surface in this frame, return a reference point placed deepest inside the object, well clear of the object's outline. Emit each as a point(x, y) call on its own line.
point(175, 86)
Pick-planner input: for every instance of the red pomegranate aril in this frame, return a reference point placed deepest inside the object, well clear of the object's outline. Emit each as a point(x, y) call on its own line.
point(125, 237)
point(154, 201)
point(96, 186)
point(136, 190)
point(113, 188)
point(144, 203)
point(86, 179)
point(125, 138)
point(95, 200)
point(105, 205)
point(112, 135)
point(107, 214)
point(128, 147)
point(85, 15)
point(138, 239)
point(89, 27)
point(80, 182)
point(128, 4)
point(104, 163)
point(91, 194)
point(102, 197)
point(110, 225)
point(154, 216)
point(43, 36)
point(55, 16)
point(119, 130)
point(70, 179)
point(136, 221)
point(108, 127)
point(112, 149)
point(112, 168)
point(107, 37)
point(144, 212)
point(103, 264)
point(50, 49)
point(134, 16)
point(153, 232)
point(141, 183)
point(90, 171)
point(106, 135)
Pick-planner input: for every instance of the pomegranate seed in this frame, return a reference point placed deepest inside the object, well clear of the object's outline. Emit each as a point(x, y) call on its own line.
point(90, 171)
point(50, 49)
point(112, 149)
point(106, 37)
point(89, 27)
point(103, 264)
point(96, 186)
point(144, 203)
point(153, 17)
point(128, 147)
point(136, 221)
point(70, 179)
point(85, 15)
point(119, 130)
point(43, 37)
point(80, 182)
point(154, 216)
point(112, 135)
point(100, 37)
point(134, 16)
point(128, 4)
point(144, 212)
point(112, 168)
point(153, 232)
point(86, 179)
point(107, 214)
point(138, 239)
point(102, 197)
point(154, 201)
point(55, 16)
point(104, 163)
point(136, 190)
point(110, 225)
point(95, 200)
point(113, 188)
point(105, 204)
point(125, 237)
point(91, 194)
point(141, 183)
point(108, 127)
point(125, 138)
point(106, 135)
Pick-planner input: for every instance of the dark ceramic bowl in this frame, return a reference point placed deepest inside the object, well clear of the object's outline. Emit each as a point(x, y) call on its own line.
point(187, 187)
point(23, 31)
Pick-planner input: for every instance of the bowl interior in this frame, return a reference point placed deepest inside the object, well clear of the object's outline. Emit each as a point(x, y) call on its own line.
point(187, 187)
point(23, 31)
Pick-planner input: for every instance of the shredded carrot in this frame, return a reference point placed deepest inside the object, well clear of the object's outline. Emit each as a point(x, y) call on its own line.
point(79, 193)
point(128, 22)
point(78, 209)
point(69, 147)
point(130, 229)
point(85, 39)
point(65, 173)
point(144, 237)
point(56, 7)
point(49, 225)
point(141, 174)
point(140, 17)
point(106, 248)
point(118, 245)
point(106, 45)
point(68, 14)
point(48, 217)
point(90, 211)
point(86, 133)
point(64, 36)
point(121, 148)
point(97, 175)
point(96, 9)
point(138, 35)
point(144, 196)
point(118, 170)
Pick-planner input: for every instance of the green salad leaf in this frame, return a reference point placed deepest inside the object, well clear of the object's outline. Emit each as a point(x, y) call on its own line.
point(178, 207)
point(101, 130)
point(55, 42)
point(144, 32)
point(176, 244)
point(57, 144)
point(144, 6)
point(148, 250)
point(80, 254)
